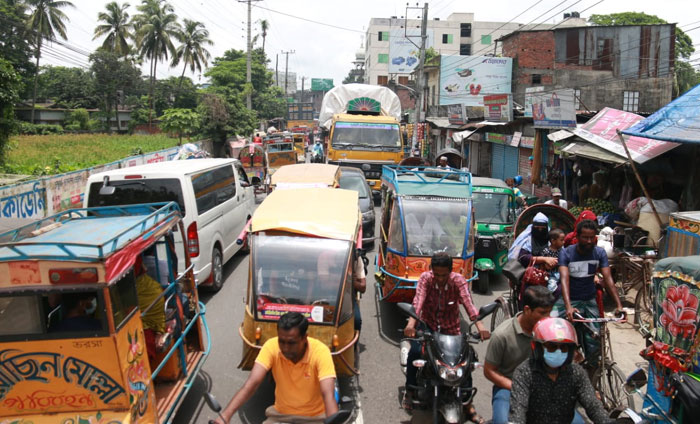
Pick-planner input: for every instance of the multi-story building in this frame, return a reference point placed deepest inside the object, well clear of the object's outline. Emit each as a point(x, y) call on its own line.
point(627, 67)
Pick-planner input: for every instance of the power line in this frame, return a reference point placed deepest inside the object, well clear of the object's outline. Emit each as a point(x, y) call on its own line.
point(555, 14)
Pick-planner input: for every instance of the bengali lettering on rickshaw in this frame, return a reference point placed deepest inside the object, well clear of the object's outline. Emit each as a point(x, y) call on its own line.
point(16, 367)
point(87, 344)
point(276, 310)
point(42, 399)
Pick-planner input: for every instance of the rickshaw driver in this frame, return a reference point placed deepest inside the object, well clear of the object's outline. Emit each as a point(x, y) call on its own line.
point(303, 371)
point(79, 308)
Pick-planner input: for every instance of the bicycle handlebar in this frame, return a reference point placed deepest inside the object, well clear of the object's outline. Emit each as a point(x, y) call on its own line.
point(579, 318)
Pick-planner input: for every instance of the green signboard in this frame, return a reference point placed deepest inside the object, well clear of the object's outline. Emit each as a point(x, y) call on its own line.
point(321, 84)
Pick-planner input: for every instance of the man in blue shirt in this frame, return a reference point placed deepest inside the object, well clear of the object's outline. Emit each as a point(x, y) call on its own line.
point(578, 265)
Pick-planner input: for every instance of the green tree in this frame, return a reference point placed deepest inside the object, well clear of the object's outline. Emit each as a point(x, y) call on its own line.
point(15, 46)
point(180, 121)
point(157, 27)
point(112, 75)
point(264, 26)
point(10, 86)
point(683, 78)
point(117, 28)
point(174, 93)
point(192, 52)
point(45, 20)
point(69, 87)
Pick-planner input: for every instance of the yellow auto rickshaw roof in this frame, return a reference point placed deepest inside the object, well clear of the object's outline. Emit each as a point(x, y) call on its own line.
point(320, 212)
point(306, 173)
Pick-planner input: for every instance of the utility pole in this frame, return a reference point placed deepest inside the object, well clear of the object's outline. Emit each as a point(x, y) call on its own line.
point(248, 73)
point(277, 77)
point(421, 62)
point(286, 70)
point(301, 100)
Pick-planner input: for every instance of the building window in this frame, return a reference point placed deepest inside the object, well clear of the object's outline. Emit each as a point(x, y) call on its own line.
point(465, 49)
point(465, 30)
point(630, 101)
point(403, 80)
point(383, 36)
point(486, 39)
point(382, 80)
point(577, 99)
point(536, 79)
point(383, 58)
point(446, 38)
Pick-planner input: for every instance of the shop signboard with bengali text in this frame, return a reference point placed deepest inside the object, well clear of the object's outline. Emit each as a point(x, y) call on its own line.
point(321, 84)
point(498, 138)
point(455, 114)
point(498, 107)
point(528, 99)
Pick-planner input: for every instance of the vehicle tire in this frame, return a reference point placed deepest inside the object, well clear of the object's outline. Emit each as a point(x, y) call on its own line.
point(500, 314)
point(643, 312)
point(610, 387)
point(482, 283)
point(217, 270)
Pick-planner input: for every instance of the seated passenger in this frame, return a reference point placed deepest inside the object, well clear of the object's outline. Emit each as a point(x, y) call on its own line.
point(147, 290)
point(79, 313)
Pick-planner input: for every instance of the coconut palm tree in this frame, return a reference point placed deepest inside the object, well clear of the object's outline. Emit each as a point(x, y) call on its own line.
point(191, 51)
point(45, 20)
point(157, 26)
point(264, 26)
point(116, 27)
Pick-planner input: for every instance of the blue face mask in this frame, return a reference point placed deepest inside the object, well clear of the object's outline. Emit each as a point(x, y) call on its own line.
point(92, 308)
point(555, 359)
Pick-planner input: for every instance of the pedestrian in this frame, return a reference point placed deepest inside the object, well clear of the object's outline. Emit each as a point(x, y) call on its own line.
point(557, 200)
point(304, 376)
point(547, 387)
point(510, 346)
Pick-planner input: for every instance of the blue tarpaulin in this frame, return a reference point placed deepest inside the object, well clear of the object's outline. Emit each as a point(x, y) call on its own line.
point(678, 121)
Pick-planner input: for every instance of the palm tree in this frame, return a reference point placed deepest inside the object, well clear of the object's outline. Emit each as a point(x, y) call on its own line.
point(191, 51)
point(157, 26)
point(45, 20)
point(116, 27)
point(264, 26)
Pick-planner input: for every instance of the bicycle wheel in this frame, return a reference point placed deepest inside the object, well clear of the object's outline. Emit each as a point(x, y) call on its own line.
point(500, 314)
point(610, 387)
point(643, 312)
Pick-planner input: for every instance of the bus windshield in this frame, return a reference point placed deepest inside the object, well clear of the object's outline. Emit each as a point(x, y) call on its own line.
point(366, 134)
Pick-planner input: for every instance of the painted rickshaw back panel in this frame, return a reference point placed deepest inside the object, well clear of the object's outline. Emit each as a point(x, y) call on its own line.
point(683, 235)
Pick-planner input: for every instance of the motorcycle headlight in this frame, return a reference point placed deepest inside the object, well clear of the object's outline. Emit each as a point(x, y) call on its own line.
point(450, 374)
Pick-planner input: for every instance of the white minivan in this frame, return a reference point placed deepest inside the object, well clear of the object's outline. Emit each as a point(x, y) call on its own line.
point(214, 195)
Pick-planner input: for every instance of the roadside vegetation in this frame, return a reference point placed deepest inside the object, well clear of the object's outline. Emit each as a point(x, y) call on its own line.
point(57, 153)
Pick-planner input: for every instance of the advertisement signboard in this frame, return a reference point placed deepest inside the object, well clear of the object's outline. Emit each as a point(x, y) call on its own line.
point(321, 84)
point(466, 79)
point(554, 109)
point(528, 142)
point(528, 99)
point(403, 54)
point(498, 107)
point(455, 114)
point(601, 130)
point(498, 138)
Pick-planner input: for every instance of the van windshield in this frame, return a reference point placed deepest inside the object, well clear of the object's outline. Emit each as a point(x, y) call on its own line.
point(130, 192)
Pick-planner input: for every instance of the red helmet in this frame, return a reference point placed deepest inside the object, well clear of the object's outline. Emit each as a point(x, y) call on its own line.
point(556, 330)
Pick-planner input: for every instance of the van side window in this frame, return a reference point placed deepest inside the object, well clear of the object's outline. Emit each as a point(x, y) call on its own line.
point(212, 188)
point(242, 175)
point(123, 298)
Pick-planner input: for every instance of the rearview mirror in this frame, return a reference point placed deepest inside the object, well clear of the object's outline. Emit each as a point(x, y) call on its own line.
point(487, 310)
point(106, 189)
point(256, 181)
point(407, 309)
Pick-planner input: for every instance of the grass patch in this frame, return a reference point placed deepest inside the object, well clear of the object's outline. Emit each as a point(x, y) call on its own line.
point(55, 154)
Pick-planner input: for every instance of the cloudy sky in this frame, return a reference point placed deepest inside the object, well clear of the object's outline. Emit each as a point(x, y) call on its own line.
point(325, 34)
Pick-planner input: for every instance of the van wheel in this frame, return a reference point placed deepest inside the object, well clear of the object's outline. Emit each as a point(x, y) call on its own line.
point(217, 270)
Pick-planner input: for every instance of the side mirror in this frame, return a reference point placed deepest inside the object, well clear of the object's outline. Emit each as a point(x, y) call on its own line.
point(636, 380)
point(407, 309)
point(487, 310)
point(106, 189)
point(256, 181)
point(339, 417)
point(212, 402)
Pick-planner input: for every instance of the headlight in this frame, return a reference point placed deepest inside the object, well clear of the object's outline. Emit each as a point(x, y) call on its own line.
point(450, 374)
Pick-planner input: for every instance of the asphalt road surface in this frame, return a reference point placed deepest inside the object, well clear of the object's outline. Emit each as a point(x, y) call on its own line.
point(374, 394)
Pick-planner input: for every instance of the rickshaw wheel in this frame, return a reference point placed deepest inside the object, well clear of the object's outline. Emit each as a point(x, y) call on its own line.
point(500, 314)
point(482, 283)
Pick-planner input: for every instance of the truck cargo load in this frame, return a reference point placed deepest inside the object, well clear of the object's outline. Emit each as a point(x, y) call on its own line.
point(362, 98)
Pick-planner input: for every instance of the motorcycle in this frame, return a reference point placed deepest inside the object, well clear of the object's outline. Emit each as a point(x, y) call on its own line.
point(448, 362)
point(316, 155)
point(338, 418)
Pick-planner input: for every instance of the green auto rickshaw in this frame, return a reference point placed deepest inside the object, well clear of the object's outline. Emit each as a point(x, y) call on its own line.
point(494, 209)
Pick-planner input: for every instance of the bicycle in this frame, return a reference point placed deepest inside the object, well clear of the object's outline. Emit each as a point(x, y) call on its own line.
point(508, 304)
point(634, 273)
point(607, 378)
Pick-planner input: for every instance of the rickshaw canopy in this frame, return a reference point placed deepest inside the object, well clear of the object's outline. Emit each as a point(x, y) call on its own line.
point(428, 182)
point(318, 212)
point(688, 265)
point(307, 174)
point(454, 157)
point(489, 182)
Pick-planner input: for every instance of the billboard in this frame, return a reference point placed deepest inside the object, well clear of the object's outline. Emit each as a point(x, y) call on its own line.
point(403, 54)
point(528, 99)
point(455, 114)
point(321, 84)
point(498, 107)
point(466, 79)
point(554, 109)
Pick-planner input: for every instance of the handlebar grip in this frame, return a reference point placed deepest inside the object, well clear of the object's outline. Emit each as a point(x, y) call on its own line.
point(476, 335)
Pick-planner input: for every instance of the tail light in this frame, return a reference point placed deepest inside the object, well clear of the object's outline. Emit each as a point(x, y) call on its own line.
point(73, 275)
point(193, 240)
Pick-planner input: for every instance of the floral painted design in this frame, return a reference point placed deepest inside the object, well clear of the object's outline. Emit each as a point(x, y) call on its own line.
point(680, 312)
point(137, 375)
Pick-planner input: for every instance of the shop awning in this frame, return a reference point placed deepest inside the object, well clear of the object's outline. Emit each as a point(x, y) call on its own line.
point(441, 122)
point(458, 137)
point(559, 135)
point(591, 151)
point(678, 121)
point(482, 124)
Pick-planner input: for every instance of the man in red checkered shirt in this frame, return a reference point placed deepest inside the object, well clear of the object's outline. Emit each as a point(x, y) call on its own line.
point(439, 293)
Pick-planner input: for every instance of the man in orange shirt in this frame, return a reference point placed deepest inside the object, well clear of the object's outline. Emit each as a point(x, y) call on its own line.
point(303, 371)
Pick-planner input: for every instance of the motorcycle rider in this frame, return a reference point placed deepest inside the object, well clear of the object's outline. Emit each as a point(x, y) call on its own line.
point(317, 152)
point(547, 386)
point(436, 302)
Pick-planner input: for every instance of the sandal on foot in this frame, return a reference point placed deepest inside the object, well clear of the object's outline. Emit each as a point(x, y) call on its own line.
point(474, 416)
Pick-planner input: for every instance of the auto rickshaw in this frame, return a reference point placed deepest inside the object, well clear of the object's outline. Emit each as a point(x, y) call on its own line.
point(95, 325)
point(454, 158)
point(254, 159)
point(306, 175)
point(303, 244)
point(280, 150)
point(495, 216)
point(423, 212)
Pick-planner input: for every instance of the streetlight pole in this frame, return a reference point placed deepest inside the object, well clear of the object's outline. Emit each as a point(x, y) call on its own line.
point(421, 63)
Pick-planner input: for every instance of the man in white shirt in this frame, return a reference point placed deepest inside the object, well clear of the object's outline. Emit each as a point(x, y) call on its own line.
point(557, 200)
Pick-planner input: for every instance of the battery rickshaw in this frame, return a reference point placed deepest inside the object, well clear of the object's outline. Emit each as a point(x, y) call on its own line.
point(423, 212)
point(254, 159)
point(303, 244)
